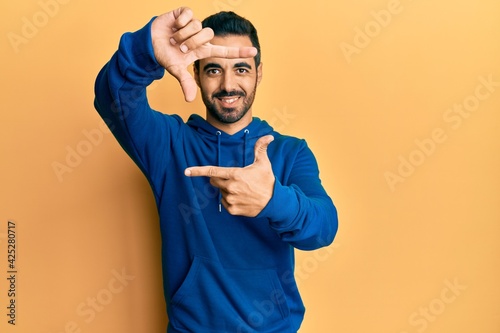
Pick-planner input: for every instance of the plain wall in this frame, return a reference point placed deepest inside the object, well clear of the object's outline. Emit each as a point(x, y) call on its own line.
point(399, 100)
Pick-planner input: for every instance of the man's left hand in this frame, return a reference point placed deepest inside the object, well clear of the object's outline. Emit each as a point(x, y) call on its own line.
point(245, 191)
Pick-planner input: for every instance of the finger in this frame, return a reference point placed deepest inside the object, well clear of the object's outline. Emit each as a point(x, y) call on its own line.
point(190, 29)
point(196, 40)
point(220, 183)
point(166, 25)
point(218, 51)
point(260, 148)
point(183, 16)
point(209, 171)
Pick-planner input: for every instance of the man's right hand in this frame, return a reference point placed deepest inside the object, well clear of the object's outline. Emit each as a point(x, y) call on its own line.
point(179, 40)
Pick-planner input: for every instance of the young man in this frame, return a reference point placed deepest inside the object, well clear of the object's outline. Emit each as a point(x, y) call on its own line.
point(234, 196)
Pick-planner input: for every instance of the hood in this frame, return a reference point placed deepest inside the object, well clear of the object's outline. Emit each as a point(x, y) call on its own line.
point(246, 137)
point(256, 129)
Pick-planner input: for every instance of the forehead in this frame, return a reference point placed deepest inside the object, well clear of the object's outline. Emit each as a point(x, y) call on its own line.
point(232, 40)
point(229, 41)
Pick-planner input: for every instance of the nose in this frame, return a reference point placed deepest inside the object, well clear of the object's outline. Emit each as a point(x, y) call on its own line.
point(228, 81)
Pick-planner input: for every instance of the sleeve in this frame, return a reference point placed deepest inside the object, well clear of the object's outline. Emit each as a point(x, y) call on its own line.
point(309, 220)
point(120, 99)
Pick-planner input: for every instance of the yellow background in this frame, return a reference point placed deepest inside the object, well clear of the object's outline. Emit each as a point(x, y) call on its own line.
point(418, 245)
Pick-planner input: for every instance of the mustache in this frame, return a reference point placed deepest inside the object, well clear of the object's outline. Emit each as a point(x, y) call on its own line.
point(224, 93)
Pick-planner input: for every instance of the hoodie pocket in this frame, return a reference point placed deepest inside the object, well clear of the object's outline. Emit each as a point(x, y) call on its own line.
point(214, 299)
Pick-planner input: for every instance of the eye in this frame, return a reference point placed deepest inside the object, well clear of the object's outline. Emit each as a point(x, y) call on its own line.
point(213, 71)
point(242, 70)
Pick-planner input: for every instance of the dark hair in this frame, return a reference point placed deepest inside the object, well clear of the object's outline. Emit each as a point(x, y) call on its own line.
point(230, 23)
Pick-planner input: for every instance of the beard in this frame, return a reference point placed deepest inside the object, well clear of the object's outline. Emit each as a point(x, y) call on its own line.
point(227, 115)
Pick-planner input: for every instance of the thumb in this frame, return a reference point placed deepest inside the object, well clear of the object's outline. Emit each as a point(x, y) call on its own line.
point(260, 149)
point(189, 88)
point(187, 82)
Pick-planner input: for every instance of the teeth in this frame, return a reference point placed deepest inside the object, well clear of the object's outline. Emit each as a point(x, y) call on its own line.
point(230, 100)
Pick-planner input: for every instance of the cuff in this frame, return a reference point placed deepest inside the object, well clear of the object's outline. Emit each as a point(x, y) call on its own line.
point(283, 207)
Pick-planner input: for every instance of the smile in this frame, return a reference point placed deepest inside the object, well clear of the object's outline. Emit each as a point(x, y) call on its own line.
point(229, 100)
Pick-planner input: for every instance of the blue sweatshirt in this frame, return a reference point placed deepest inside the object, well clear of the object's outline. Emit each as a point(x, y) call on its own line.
point(222, 273)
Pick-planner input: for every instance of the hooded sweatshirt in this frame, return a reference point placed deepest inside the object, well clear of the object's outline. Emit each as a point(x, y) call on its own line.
point(222, 273)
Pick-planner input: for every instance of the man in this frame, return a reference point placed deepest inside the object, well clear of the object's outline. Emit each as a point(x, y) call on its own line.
point(234, 197)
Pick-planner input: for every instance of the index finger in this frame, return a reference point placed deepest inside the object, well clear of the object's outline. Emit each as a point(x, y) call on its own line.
point(208, 171)
point(219, 51)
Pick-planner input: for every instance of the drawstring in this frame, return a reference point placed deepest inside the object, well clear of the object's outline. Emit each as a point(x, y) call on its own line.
point(245, 148)
point(218, 133)
point(245, 143)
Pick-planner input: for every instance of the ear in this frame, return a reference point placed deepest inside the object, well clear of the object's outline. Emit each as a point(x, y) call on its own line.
point(259, 73)
point(196, 73)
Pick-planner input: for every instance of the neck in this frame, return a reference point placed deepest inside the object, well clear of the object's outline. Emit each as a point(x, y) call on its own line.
point(233, 127)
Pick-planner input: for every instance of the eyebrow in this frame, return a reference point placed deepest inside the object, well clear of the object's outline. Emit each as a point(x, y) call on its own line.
point(237, 65)
point(211, 65)
point(242, 64)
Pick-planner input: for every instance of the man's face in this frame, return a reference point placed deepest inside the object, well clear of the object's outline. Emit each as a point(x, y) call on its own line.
point(228, 85)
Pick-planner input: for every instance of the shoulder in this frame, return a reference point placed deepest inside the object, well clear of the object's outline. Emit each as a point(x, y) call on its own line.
point(289, 149)
point(171, 120)
point(287, 142)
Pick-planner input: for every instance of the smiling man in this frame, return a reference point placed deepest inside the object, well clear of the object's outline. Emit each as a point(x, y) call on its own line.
point(228, 86)
point(235, 197)
point(228, 92)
